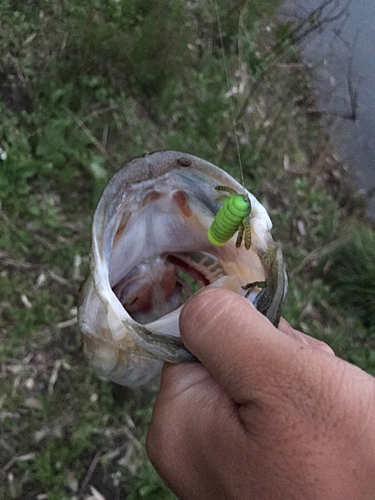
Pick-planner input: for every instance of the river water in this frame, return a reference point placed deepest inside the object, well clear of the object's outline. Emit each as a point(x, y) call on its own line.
point(342, 53)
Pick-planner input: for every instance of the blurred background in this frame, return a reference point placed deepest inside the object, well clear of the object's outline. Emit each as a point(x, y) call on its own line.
point(86, 87)
point(342, 54)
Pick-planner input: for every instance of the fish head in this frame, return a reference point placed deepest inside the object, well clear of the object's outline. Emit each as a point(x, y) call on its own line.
point(150, 252)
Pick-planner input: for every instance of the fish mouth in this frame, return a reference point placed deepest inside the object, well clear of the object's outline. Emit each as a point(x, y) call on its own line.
point(156, 248)
point(150, 253)
point(164, 284)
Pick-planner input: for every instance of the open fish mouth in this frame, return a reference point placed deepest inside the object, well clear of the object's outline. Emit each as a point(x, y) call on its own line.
point(150, 253)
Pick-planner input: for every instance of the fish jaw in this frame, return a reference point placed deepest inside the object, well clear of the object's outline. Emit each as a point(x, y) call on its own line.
point(149, 238)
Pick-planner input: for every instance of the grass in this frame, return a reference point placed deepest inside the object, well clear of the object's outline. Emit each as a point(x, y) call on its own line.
point(84, 88)
point(349, 268)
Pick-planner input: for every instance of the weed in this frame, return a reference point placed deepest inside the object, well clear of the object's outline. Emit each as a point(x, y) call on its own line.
point(350, 271)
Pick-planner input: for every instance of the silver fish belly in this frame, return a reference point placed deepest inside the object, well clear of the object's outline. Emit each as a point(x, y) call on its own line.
point(149, 253)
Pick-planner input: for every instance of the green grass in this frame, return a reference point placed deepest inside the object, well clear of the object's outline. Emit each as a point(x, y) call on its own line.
point(349, 268)
point(84, 88)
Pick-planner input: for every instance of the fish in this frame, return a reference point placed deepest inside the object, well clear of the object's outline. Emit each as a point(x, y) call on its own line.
point(150, 253)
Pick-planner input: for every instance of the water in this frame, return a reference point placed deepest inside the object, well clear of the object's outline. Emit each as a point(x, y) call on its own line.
point(343, 51)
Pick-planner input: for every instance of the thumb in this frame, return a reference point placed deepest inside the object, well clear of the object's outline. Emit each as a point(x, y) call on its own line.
point(241, 348)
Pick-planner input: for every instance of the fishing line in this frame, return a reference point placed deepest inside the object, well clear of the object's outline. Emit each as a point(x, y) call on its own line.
point(231, 106)
point(235, 213)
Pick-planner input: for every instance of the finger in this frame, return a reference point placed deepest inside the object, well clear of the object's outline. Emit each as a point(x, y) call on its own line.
point(286, 328)
point(190, 407)
point(189, 386)
point(178, 385)
point(178, 380)
point(238, 345)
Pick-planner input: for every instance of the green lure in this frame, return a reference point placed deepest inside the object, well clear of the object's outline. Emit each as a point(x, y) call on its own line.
point(233, 216)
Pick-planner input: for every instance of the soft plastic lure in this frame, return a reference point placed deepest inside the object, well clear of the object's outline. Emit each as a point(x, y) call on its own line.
point(233, 216)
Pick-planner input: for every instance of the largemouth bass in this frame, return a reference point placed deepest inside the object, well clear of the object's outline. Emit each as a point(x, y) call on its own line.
point(150, 252)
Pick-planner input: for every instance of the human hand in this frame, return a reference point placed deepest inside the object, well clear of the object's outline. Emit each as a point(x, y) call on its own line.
point(269, 413)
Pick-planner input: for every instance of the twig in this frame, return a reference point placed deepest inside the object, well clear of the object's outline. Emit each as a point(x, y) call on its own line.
point(315, 254)
point(96, 495)
point(89, 134)
point(67, 323)
point(58, 278)
point(122, 431)
point(20, 458)
point(6, 261)
point(90, 472)
point(54, 375)
point(320, 21)
point(44, 242)
point(25, 301)
point(105, 135)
